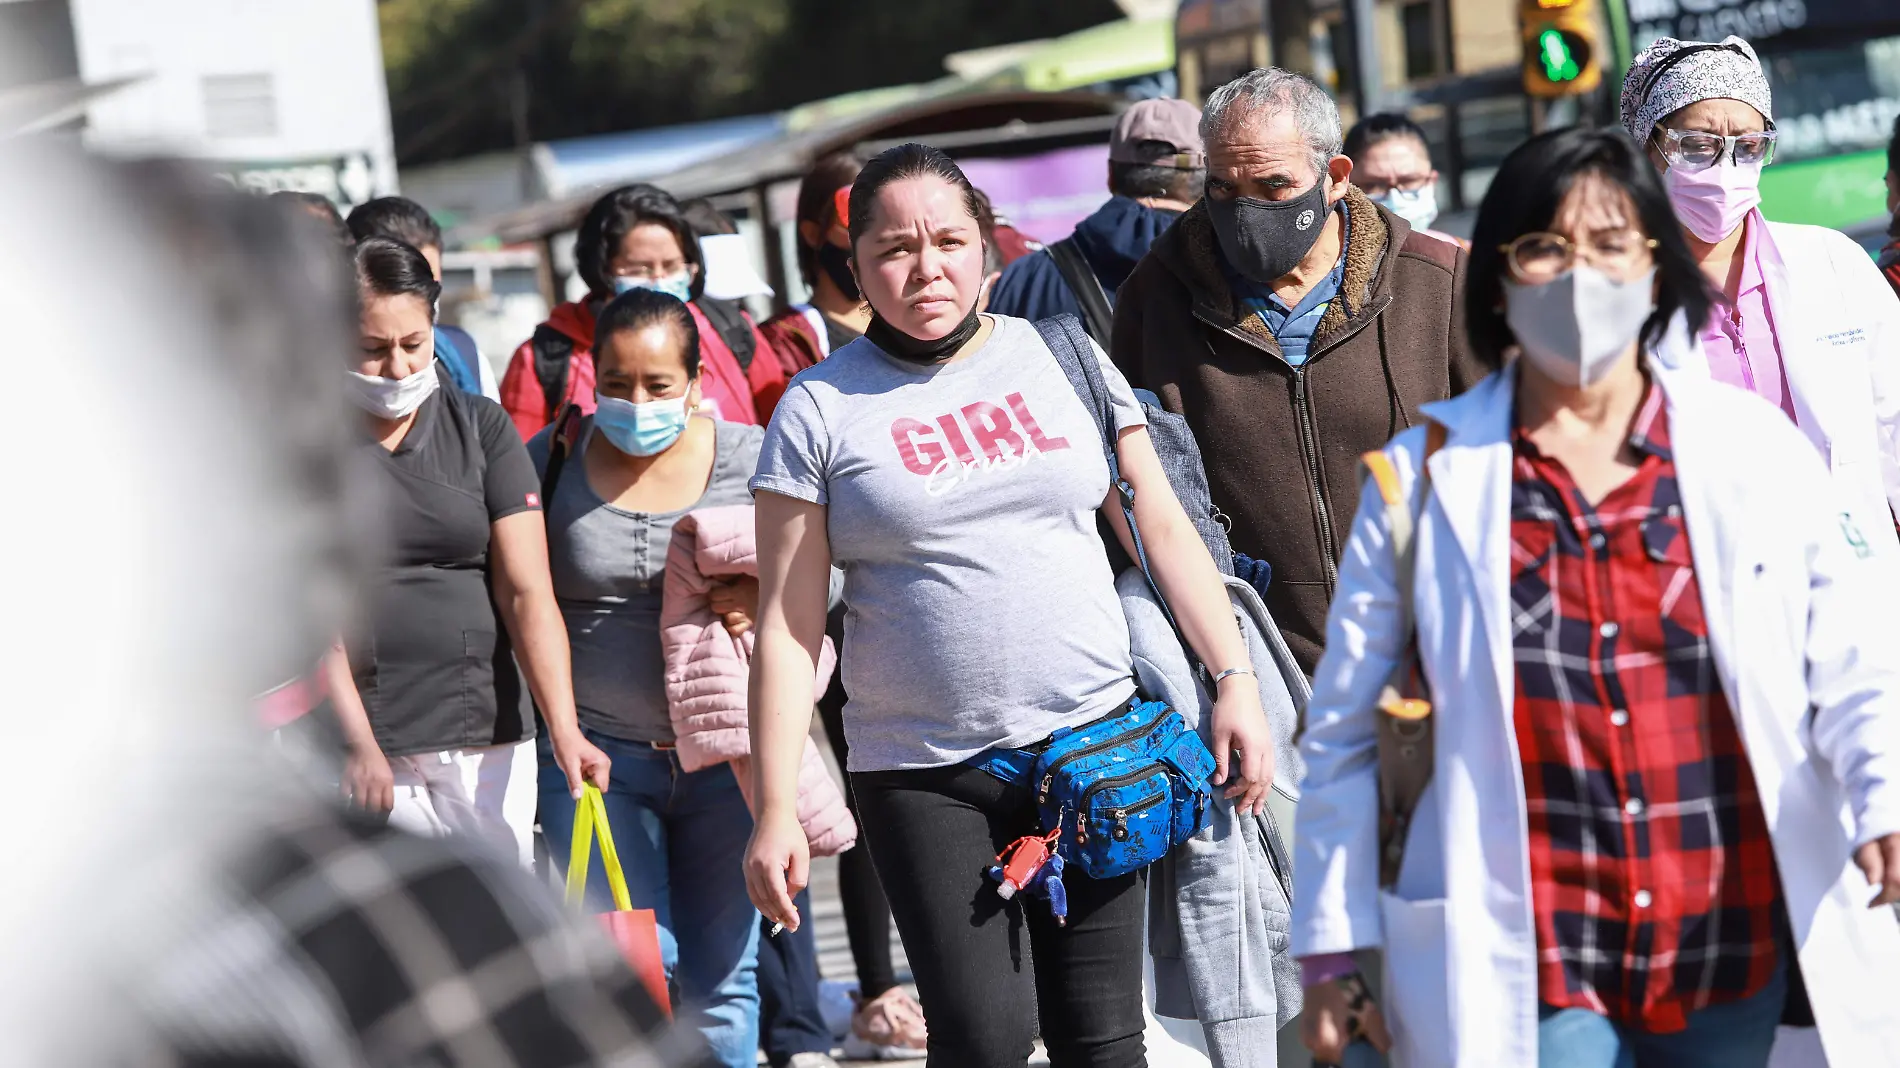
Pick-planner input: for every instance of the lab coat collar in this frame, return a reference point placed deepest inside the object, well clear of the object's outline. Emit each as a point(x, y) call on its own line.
point(1471, 485)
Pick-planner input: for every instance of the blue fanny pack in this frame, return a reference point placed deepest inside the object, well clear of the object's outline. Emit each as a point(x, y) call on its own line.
point(1120, 792)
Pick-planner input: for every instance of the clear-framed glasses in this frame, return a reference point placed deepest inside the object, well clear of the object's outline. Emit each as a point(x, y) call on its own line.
point(1696, 150)
point(1538, 257)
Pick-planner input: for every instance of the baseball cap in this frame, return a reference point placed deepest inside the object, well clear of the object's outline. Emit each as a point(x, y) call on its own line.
point(1174, 123)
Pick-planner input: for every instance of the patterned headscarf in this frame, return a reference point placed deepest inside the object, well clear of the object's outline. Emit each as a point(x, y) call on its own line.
point(1670, 75)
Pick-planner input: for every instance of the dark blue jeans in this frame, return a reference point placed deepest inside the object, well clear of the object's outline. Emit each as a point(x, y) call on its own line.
point(681, 837)
point(790, 1020)
point(1735, 1034)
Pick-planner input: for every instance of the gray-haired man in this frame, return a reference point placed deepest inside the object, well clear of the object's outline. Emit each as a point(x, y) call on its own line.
point(1296, 324)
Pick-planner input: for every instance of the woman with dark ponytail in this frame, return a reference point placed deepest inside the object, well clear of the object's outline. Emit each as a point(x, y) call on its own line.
point(464, 599)
point(837, 315)
point(945, 462)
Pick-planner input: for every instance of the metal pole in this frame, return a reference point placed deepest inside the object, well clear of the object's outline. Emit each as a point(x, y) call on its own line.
point(1365, 57)
point(1616, 13)
point(773, 242)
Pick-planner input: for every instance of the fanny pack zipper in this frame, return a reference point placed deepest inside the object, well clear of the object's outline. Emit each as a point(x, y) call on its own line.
point(1049, 776)
point(1121, 814)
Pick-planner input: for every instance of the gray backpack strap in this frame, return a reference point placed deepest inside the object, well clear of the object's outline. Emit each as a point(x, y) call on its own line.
point(1072, 350)
point(1098, 312)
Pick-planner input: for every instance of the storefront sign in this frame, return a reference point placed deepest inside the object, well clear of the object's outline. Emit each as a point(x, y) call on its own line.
point(1849, 128)
point(1712, 20)
point(1760, 21)
point(347, 180)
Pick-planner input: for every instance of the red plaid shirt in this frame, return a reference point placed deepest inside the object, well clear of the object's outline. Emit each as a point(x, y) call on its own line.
point(1652, 874)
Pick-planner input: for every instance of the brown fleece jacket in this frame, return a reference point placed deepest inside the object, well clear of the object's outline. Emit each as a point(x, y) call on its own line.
point(1282, 444)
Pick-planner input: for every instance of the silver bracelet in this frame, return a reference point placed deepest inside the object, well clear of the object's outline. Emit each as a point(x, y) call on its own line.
point(1233, 671)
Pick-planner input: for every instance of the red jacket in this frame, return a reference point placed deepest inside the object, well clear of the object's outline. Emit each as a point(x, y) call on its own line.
point(741, 396)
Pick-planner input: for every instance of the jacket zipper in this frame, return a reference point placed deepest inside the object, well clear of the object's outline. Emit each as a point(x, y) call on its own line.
point(1309, 434)
point(1309, 448)
point(1309, 451)
point(1049, 776)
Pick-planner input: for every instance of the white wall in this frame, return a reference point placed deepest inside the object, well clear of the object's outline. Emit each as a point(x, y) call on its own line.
point(322, 59)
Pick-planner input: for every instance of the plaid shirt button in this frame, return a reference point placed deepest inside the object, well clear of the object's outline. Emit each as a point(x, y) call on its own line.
point(1634, 806)
point(1642, 899)
point(1619, 718)
point(1608, 630)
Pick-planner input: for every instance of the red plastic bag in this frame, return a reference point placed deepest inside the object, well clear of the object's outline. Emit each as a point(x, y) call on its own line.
point(635, 931)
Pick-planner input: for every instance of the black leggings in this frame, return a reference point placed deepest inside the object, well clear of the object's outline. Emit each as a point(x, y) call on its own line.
point(867, 915)
point(932, 834)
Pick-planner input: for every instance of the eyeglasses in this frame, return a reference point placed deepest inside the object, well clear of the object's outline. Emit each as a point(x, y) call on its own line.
point(1536, 258)
point(1698, 151)
point(1410, 183)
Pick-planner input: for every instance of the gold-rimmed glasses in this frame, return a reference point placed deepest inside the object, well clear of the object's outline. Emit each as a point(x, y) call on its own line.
point(1539, 257)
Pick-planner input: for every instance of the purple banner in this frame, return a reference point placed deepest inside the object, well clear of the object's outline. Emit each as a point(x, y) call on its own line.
point(1044, 196)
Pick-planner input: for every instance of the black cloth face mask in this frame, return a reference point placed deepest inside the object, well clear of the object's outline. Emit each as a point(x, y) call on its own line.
point(1265, 239)
point(911, 350)
point(836, 263)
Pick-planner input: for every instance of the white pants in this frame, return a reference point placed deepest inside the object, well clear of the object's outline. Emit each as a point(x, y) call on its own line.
point(485, 793)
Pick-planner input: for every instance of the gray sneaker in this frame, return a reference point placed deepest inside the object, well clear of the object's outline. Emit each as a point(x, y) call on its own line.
point(811, 1060)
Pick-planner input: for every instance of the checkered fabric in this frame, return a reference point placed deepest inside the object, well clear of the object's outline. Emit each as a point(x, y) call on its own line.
point(1653, 877)
point(341, 943)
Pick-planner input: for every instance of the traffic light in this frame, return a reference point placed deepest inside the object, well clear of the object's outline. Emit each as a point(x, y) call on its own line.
point(1563, 53)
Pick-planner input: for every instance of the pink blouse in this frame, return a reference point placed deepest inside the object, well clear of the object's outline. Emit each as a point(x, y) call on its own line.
point(1739, 338)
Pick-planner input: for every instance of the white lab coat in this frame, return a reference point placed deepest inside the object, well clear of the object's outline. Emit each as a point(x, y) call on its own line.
point(1837, 323)
point(1803, 632)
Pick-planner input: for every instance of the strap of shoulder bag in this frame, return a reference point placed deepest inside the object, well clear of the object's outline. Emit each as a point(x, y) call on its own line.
point(1071, 347)
point(566, 435)
point(1406, 726)
point(1098, 314)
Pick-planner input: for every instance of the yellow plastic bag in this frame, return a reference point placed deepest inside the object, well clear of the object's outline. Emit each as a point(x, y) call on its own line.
point(635, 931)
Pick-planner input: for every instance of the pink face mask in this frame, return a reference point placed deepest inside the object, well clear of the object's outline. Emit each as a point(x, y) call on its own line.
point(1713, 201)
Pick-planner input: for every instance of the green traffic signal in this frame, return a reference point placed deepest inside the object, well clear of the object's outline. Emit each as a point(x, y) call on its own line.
point(1558, 56)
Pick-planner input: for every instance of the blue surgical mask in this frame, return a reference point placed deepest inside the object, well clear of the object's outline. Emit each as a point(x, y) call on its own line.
point(678, 286)
point(641, 429)
point(1416, 206)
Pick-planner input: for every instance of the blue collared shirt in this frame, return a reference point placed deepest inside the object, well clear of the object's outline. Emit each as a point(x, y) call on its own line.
point(1293, 327)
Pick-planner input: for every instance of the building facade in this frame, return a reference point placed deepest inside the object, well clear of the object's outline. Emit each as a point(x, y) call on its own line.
point(282, 95)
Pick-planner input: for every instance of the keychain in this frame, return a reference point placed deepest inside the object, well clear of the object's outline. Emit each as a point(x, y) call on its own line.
point(1030, 864)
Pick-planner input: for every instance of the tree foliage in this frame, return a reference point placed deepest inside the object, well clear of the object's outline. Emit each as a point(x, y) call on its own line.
point(457, 68)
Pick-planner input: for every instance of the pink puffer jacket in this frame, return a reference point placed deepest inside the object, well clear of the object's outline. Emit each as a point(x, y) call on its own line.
point(707, 671)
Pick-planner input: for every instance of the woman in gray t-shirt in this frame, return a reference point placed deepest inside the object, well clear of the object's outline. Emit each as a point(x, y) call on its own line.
point(946, 464)
point(635, 467)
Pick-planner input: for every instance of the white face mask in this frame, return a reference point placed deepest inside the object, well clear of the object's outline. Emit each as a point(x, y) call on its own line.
point(1574, 327)
point(1416, 206)
point(392, 398)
